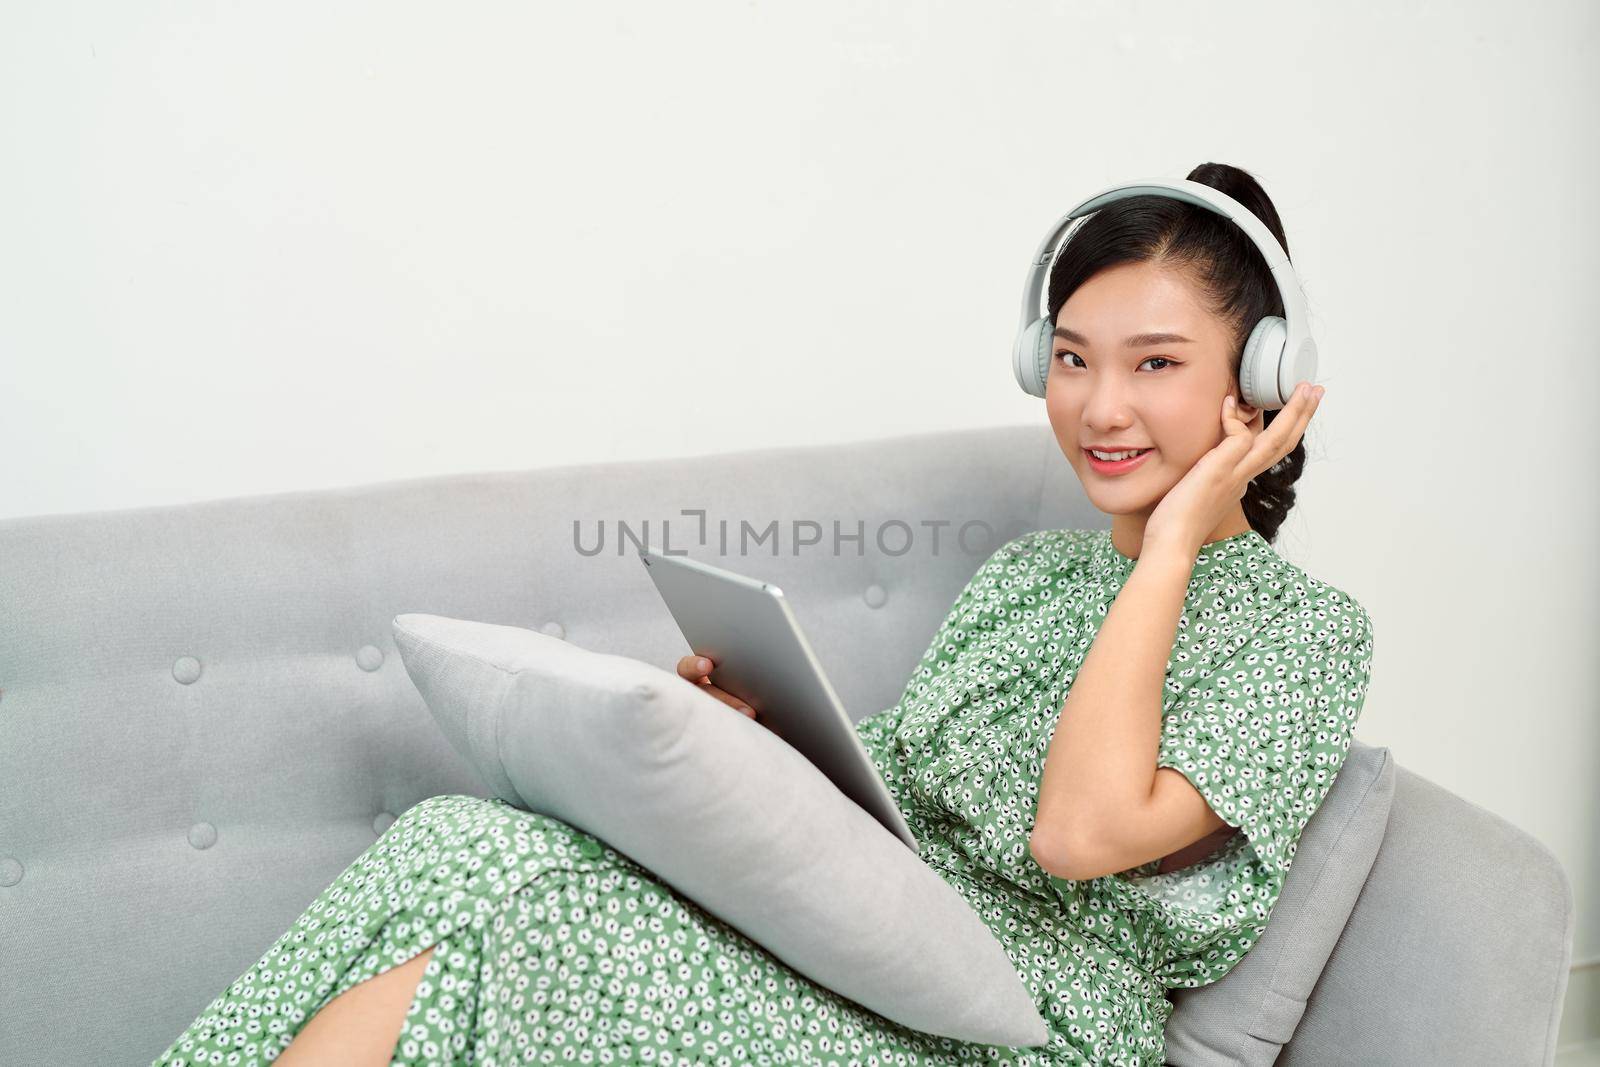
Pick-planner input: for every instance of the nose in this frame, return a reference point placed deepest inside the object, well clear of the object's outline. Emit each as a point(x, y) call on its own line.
point(1105, 408)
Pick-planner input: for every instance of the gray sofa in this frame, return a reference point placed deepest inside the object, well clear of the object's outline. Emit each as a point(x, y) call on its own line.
point(203, 720)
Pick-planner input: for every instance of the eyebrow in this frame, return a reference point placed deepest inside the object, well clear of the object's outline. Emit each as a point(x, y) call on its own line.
point(1138, 340)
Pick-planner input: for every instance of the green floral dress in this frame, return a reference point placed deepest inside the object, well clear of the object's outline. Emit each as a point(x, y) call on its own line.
point(552, 948)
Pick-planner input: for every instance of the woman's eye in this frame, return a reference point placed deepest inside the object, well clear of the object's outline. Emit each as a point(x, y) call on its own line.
point(1152, 359)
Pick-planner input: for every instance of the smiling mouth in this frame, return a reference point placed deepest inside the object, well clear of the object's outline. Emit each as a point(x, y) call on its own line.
point(1113, 467)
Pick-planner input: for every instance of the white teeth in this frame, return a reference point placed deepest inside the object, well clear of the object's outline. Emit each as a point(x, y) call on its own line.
point(1112, 456)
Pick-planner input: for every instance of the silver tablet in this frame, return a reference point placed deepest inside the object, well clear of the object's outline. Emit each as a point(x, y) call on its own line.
point(746, 627)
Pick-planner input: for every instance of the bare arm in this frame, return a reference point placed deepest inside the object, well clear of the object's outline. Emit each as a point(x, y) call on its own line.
point(1104, 806)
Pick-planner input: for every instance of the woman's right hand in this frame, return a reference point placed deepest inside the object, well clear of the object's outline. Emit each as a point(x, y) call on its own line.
point(698, 670)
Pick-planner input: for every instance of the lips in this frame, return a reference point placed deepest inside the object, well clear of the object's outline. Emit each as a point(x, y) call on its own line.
point(1115, 466)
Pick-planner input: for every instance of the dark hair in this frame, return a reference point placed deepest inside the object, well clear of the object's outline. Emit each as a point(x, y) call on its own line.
point(1227, 267)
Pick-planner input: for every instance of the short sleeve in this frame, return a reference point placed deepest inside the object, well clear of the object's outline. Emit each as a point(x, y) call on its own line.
point(1264, 732)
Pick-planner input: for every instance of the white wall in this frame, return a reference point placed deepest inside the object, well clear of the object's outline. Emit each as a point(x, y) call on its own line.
point(286, 246)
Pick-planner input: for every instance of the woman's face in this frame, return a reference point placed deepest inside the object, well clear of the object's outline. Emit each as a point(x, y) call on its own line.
point(1161, 394)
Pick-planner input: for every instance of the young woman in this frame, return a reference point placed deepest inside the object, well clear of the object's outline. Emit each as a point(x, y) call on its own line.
point(1110, 748)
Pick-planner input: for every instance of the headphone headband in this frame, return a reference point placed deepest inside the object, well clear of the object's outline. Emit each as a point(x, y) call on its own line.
point(1298, 353)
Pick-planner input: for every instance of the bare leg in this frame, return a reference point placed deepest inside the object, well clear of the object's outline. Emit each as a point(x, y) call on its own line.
point(359, 1027)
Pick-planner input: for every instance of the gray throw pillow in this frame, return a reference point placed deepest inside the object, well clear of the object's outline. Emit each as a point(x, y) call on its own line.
point(726, 813)
point(1247, 1016)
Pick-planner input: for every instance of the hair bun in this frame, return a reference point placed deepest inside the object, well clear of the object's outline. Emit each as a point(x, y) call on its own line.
point(1240, 184)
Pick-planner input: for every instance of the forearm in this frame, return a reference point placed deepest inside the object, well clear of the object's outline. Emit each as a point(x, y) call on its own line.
point(1102, 758)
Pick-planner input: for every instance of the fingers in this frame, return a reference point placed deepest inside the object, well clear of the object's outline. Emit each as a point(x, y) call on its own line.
point(1304, 403)
point(694, 668)
point(1279, 439)
point(729, 699)
point(697, 669)
point(1231, 415)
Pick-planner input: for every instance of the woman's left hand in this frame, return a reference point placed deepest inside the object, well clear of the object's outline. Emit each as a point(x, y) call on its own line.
point(1213, 487)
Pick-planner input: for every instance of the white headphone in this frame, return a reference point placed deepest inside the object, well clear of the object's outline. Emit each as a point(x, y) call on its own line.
point(1277, 356)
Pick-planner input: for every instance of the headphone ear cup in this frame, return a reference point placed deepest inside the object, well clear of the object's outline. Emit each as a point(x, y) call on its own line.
point(1030, 357)
point(1261, 362)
